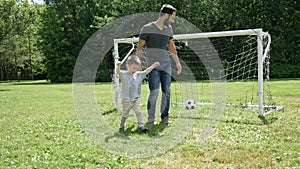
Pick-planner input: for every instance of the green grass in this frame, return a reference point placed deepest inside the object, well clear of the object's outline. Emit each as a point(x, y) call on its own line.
point(40, 129)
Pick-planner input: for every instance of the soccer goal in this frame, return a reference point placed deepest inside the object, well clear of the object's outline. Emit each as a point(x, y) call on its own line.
point(239, 59)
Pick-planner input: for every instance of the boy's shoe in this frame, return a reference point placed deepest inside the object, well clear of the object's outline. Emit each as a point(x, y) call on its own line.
point(143, 129)
point(121, 129)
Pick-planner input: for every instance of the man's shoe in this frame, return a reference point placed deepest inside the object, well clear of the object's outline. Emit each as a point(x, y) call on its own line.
point(165, 120)
point(151, 121)
point(143, 129)
point(121, 129)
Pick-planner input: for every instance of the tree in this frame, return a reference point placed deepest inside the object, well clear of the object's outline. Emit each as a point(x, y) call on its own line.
point(17, 50)
point(14, 18)
point(66, 25)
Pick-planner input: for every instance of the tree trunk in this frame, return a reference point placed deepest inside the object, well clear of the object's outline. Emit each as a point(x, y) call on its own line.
point(1, 72)
point(16, 67)
point(30, 57)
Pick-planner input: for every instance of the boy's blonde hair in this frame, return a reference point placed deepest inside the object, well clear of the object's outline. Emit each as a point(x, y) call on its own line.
point(133, 59)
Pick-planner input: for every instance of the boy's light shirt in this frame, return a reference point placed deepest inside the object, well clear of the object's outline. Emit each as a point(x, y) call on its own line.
point(131, 84)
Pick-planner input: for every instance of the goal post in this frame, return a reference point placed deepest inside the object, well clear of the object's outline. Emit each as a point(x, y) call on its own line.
point(254, 66)
point(260, 72)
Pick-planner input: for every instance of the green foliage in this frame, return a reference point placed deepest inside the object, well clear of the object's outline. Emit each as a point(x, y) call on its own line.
point(279, 70)
point(19, 56)
point(66, 27)
point(14, 18)
point(63, 27)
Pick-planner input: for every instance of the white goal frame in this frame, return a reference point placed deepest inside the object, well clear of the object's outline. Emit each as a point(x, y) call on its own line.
point(261, 55)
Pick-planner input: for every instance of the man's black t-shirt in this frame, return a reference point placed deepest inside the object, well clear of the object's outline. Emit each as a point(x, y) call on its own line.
point(156, 42)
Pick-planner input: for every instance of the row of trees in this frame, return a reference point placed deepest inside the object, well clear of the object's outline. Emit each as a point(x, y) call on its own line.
point(39, 41)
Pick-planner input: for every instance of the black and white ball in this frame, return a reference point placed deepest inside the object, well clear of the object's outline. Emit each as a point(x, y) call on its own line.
point(190, 104)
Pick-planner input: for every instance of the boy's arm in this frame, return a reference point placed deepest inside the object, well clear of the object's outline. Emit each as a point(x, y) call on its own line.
point(173, 52)
point(119, 67)
point(154, 65)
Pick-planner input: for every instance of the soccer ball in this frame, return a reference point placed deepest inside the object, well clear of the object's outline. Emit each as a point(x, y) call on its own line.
point(190, 104)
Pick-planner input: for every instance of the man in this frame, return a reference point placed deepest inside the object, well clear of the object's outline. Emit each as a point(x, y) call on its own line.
point(157, 36)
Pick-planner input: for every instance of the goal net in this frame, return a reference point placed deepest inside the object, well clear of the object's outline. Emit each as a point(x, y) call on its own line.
point(238, 59)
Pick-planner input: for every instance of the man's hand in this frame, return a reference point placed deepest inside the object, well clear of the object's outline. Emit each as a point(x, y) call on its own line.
point(179, 68)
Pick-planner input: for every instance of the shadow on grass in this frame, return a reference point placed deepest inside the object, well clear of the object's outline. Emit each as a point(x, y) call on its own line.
point(110, 111)
point(234, 121)
point(272, 120)
point(4, 90)
point(124, 134)
point(36, 83)
point(284, 79)
point(121, 135)
point(117, 135)
point(265, 121)
point(154, 130)
point(48, 82)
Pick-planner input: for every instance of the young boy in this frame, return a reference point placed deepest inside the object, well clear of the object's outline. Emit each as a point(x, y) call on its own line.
point(131, 89)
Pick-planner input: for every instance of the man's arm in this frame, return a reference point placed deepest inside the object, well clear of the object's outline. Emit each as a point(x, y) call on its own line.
point(173, 52)
point(154, 65)
point(140, 47)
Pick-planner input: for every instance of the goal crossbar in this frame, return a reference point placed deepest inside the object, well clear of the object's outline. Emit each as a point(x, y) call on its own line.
point(200, 35)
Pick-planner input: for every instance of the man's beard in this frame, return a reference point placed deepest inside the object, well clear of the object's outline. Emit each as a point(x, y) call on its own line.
point(166, 22)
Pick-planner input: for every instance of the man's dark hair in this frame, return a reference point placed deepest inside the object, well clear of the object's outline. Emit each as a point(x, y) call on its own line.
point(167, 9)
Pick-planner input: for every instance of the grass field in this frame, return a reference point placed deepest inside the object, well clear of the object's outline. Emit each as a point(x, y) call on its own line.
point(40, 129)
